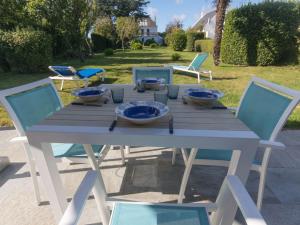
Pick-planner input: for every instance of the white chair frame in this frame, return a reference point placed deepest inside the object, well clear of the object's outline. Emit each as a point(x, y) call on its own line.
point(74, 77)
point(266, 145)
point(134, 69)
point(22, 134)
point(90, 181)
point(191, 69)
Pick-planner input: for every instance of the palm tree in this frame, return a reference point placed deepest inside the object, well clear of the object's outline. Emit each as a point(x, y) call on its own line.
point(221, 6)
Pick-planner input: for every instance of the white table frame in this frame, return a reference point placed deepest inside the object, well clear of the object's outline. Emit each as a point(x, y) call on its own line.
point(40, 135)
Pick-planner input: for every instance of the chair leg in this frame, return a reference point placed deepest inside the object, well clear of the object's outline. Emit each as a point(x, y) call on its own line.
point(86, 83)
point(122, 155)
point(186, 174)
point(210, 75)
point(174, 153)
point(62, 84)
point(198, 78)
point(261, 188)
point(32, 170)
point(127, 149)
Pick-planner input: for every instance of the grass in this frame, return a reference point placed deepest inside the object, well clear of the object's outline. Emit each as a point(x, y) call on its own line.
point(232, 80)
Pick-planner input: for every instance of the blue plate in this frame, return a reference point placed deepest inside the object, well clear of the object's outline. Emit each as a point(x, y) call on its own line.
point(141, 112)
point(202, 94)
point(90, 92)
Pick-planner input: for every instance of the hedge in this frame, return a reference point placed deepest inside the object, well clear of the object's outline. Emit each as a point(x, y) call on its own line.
point(204, 46)
point(191, 38)
point(261, 34)
point(100, 43)
point(25, 51)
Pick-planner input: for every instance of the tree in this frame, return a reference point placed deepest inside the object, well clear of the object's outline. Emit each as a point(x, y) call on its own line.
point(67, 21)
point(220, 17)
point(127, 28)
point(174, 25)
point(122, 8)
point(104, 27)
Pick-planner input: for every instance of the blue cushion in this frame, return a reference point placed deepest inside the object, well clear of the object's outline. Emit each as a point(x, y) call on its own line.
point(63, 70)
point(73, 150)
point(209, 154)
point(87, 73)
point(143, 214)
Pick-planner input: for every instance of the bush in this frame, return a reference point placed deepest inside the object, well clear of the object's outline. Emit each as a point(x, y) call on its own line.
point(108, 52)
point(100, 43)
point(191, 38)
point(25, 51)
point(178, 40)
point(261, 34)
point(136, 46)
point(204, 46)
point(153, 45)
point(175, 57)
point(149, 42)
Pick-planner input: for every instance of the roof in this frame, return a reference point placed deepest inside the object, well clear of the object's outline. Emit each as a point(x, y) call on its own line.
point(204, 19)
point(148, 21)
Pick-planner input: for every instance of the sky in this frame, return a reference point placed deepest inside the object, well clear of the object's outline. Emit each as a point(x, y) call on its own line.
point(189, 11)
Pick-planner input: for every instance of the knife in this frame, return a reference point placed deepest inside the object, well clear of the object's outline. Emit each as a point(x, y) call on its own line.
point(171, 130)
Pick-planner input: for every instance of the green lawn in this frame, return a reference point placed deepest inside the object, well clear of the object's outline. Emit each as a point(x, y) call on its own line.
point(230, 79)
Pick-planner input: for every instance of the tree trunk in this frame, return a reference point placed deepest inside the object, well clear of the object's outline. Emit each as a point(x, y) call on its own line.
point(123, 45)
point(220, 17)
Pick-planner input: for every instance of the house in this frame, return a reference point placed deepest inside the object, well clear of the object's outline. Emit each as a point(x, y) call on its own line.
point(206, 24)
point(148, 30)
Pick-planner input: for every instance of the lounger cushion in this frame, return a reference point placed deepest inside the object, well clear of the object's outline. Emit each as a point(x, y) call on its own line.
point(145, 214)
point(73, 150)
point(209, 154)
point(63, 70)
point(87, 73)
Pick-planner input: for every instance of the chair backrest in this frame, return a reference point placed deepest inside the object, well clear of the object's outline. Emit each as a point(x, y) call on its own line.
point(198, 61)
point(63, 70)
point(266, 106)
point(29, 104)
point(158, 72)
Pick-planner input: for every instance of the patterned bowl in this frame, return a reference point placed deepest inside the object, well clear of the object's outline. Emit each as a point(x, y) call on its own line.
point(152, 83)
point(203, 95)
point(90, 94)
point(142, 112)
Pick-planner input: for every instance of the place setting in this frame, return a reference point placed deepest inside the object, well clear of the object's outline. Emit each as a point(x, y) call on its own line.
point(91, 96)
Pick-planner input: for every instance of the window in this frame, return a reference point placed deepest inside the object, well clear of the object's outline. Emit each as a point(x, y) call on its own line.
point(148, 32)
point(142, 31)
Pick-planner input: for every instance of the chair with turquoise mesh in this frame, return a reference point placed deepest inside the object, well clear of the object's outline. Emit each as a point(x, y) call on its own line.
point(140, 213)
point(264, 108)
point(195, 66)
point(164, 73)
point(29, 104)
point(70, 73)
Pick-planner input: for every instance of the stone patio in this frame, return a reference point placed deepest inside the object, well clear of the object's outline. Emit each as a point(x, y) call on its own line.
point(149, 176)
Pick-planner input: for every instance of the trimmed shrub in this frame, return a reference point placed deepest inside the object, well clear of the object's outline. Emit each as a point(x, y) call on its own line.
point(204, 46)
point(175, 57)
point(25, 51)
point(153, 45)
point(261, 34)
point(136, 46)
point(191, 38)
point(100, 43)
point(149, 42)
point(178, 40)
point(108, 52)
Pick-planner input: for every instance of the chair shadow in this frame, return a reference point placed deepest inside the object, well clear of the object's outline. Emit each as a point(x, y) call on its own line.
point(10, 172)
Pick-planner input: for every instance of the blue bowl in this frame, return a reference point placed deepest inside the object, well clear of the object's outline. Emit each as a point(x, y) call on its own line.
point(151, 81)
point(89, 93)
point(141, 112)
point(202, 94)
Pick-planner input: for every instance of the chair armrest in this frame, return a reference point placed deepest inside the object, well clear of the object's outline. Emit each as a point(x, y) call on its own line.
point(272, 144)
point(248, 208)
point(19, 139)
point(72, 214)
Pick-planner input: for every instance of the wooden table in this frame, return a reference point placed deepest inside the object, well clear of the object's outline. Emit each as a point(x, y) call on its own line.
point(194, 127)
